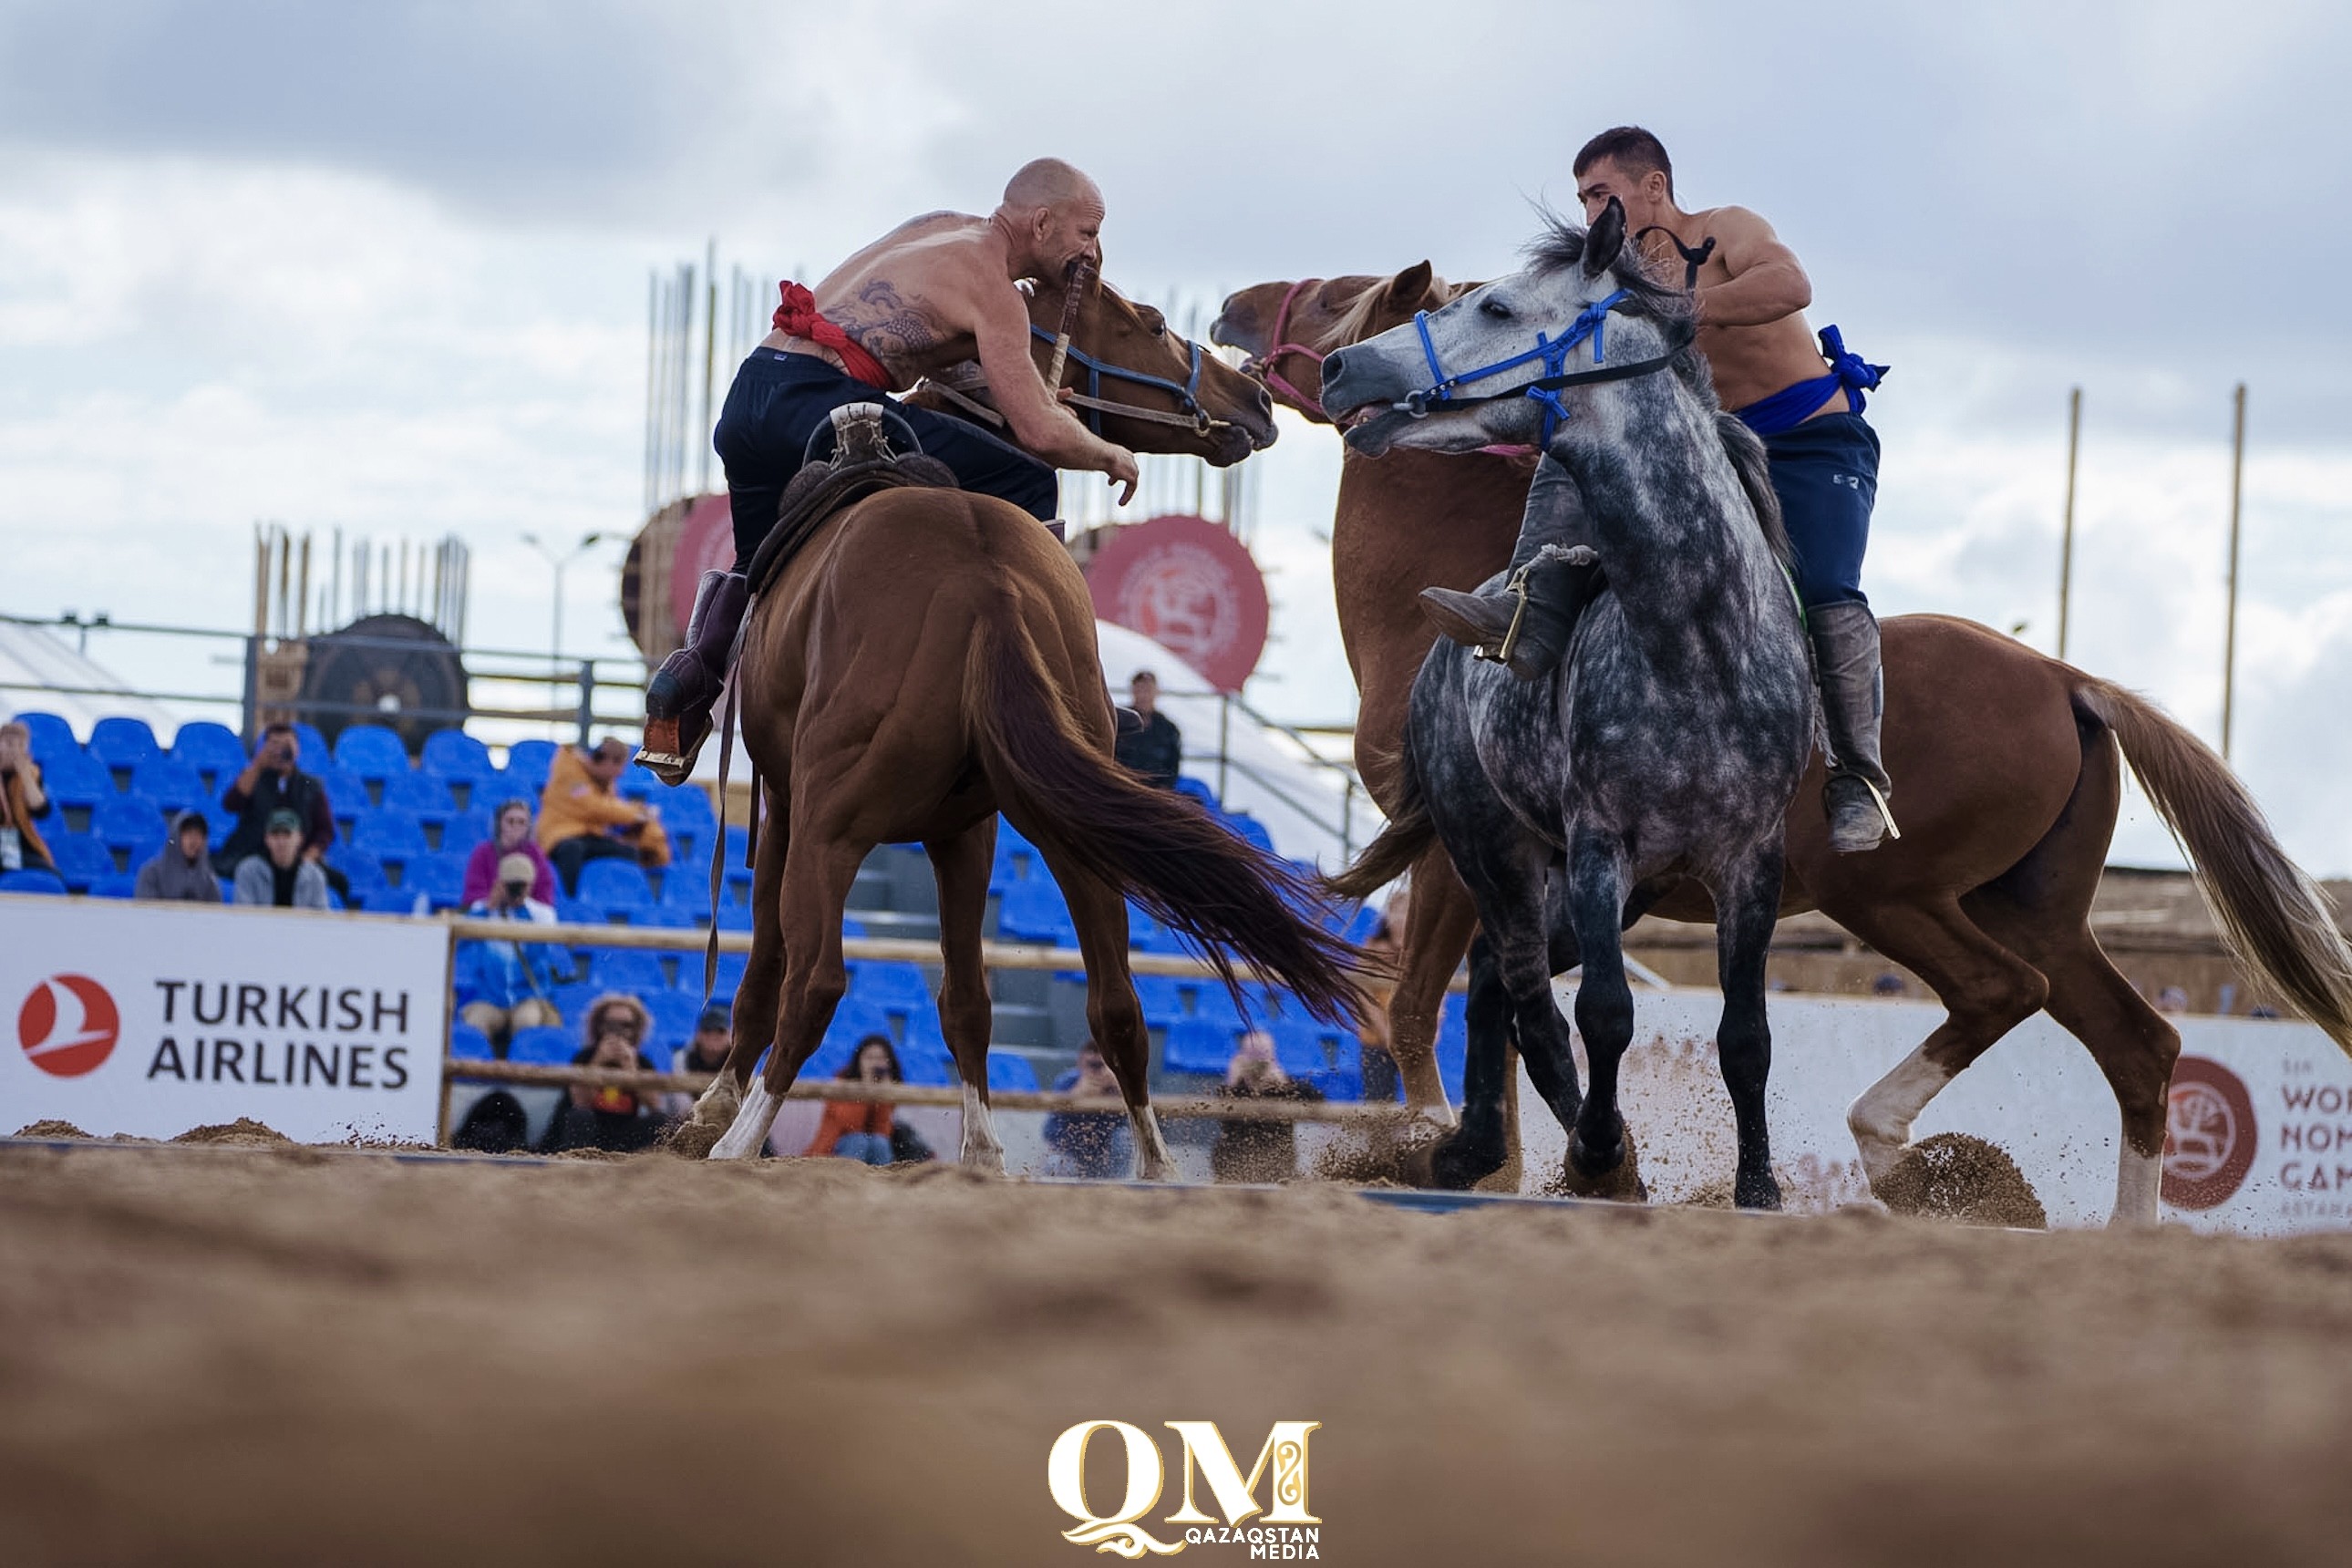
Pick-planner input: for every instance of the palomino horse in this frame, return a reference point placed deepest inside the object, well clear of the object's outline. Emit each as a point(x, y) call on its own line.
point(2007, 760)
point(1670, 742)
point(927, 660)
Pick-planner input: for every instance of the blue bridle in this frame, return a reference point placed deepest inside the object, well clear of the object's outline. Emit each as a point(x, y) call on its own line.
point(1549, 352)
point(1187, 395)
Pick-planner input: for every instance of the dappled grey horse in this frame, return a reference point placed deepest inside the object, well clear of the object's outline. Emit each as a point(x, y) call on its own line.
point(1670, 741)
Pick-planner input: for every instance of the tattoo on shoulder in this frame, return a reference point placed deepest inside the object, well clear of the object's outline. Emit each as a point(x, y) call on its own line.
point(889, 327)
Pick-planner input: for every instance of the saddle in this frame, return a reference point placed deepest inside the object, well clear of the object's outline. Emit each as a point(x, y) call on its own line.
point(863, 463)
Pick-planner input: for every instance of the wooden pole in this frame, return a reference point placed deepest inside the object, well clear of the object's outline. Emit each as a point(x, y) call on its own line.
point(2230, 635)
point(2066, 546)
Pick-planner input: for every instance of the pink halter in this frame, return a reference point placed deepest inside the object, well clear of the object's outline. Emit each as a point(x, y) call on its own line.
point(1263, 365)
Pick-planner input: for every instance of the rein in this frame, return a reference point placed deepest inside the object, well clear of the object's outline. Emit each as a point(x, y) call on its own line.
point(1552, 353)
point(1263, 365)
point(1189, 414)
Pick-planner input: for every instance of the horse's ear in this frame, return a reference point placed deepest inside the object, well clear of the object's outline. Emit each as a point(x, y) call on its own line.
point(1410, 287)
point(1605, 240)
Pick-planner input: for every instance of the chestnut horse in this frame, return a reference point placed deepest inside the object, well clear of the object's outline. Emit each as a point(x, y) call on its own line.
point(2009, 763)
point(928, 659)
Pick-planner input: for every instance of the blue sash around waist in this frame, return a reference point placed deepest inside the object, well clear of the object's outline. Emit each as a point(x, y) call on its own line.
point(1792, 406)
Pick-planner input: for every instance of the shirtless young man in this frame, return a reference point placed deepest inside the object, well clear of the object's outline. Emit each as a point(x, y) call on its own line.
point(1805, 401)
point(935, 292)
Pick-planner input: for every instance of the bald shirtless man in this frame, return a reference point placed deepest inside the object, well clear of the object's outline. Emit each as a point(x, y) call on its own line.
point(935, 292)
point(1805, 401)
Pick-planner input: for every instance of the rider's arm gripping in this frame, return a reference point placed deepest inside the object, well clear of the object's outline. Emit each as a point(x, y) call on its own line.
point(1767, 280)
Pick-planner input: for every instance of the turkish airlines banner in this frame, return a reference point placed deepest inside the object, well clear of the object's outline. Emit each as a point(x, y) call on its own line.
point(151, 1019)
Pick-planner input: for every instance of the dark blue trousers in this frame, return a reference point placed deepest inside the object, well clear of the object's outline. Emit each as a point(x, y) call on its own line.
point(1825, 472)
point(780, 400)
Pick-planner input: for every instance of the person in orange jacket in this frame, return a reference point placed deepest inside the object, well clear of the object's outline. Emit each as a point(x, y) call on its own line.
point(859, 1130)
point(582, 819)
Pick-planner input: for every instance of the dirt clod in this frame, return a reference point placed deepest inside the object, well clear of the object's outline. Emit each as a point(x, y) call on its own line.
point(1954, 1176)
point(244, 1129)
point(51, 1127)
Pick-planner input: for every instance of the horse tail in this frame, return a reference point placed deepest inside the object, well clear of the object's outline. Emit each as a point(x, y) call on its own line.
point(1393, 851)
point(1155, 846)
point(2273, 919)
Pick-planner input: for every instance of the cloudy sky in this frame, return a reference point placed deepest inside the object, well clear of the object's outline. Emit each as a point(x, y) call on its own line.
point(385, 268)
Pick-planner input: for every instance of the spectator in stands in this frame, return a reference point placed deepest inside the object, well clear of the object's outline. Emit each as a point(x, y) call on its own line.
point(182, 870)
point(714, 1036)
point(1157, 750)
point(280, 875)
point(1258, 1150)
point(21, 800)
point(271, 784)
point(856, 1129)
point(606, 1117)
point(503, 986)
point(582, 819)
point(1381, 951)
point(1091, 1143)
point(511, 834)
point(615, 1010)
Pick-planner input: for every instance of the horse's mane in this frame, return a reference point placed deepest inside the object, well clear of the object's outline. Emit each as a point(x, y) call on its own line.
point(1354, 325)
point(1561, 245)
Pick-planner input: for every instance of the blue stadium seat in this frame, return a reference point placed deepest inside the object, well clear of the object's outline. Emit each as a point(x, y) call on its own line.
point(888, 984)
point(227, 890)
point(468, 1044)
point(927, 1062)
point(572, 1000)
point(1033, 910)
point(1242, 825)
point(1164, 1004)
point(734, 917)
point(131, 825)
point(628, 969)
point(51, 736)
point(527, 762)
point(1186, 784)
point(171, 783)
point(82, 862)
point(730, 974)
point(639, 784)
point(1303, 1046)
point(1010, 1073)
point(465, 829)
point(674, 1013)
point(370, 751)
point(547, 1045)
point(614, 885)
point(1198, 1045)
point(364, 871)
point(440, 878)
point(422, 794)
point(1207, 997)
point(661, 917)
point(75, 779)
point(32, 881)
point(221, 820)
point(120, 742)
point(455, 754)
point(577, 911)
point(210, 749)
point(310, 753)
point(390, 835)
point(115, 885)
point(687, 805)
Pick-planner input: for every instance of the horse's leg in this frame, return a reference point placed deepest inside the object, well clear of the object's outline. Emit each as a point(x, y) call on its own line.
point(1986, 990)
point(819, 869)
point(754, 1018)
point(1604, 1001)
point(1506, 875)
point(1436, 934)
point(960, 866)
point(1113, 1012)
point(2042, 908)
point(1746, 902)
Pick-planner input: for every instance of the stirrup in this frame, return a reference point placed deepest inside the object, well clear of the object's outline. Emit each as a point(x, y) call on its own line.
point(1885, 812)
point(1517, 588)
point(662, 755)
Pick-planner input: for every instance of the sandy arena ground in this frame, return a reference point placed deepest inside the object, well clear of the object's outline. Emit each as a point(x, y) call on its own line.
point(242, 1356)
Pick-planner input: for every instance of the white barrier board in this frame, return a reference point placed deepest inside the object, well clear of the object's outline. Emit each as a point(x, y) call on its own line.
point(2259, 1130)
point(151, 1019)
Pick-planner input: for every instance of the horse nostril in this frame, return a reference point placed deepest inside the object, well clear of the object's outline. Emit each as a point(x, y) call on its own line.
point(1335, 366)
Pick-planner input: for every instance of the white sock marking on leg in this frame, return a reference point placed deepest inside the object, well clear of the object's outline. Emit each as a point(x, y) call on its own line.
point(1881, 1118)
point(981, 1150)
point(1152, 1160)
point(2139, 1184)
point(743, 1140)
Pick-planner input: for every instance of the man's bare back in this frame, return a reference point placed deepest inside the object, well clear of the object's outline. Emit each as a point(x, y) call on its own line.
point(1752, 291)
point(903, 297)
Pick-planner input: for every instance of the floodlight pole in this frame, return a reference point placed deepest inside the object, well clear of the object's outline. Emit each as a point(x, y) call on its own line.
point(2230, 637)
point(2066, 546)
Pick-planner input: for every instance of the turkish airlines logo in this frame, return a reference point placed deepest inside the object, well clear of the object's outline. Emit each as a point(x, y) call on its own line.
point(2209, 1134)
point(68, 1025)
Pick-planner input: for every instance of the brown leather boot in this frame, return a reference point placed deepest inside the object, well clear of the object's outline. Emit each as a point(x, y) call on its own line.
point(1845, 653)
point(679, 696)
point(1525, 624)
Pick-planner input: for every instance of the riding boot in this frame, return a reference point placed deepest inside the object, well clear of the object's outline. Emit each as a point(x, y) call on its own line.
point(1525, 624)
point(1845, 653)
point(679, 697)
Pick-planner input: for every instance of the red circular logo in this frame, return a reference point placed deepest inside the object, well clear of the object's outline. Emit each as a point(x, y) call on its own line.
point(68, 1025)
point(1189, 586)
point(2209, 1134)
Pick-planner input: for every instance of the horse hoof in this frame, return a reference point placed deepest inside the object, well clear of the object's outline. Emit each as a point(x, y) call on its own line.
point(1454, 1166)
point(1593, 1167)
point(1621, 1183)
point(1763, 1193)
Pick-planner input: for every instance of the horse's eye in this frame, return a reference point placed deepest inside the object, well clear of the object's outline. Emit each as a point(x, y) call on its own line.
point(1496, 308)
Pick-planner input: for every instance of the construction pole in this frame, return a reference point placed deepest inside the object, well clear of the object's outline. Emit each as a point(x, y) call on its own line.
point(2066, 545)
point(710, 358)
point(2230, 635)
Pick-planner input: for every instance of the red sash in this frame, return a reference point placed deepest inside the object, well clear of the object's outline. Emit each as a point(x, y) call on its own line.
point(798, 315)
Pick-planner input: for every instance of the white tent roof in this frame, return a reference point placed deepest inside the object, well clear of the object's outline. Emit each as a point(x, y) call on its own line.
point(38, 671)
